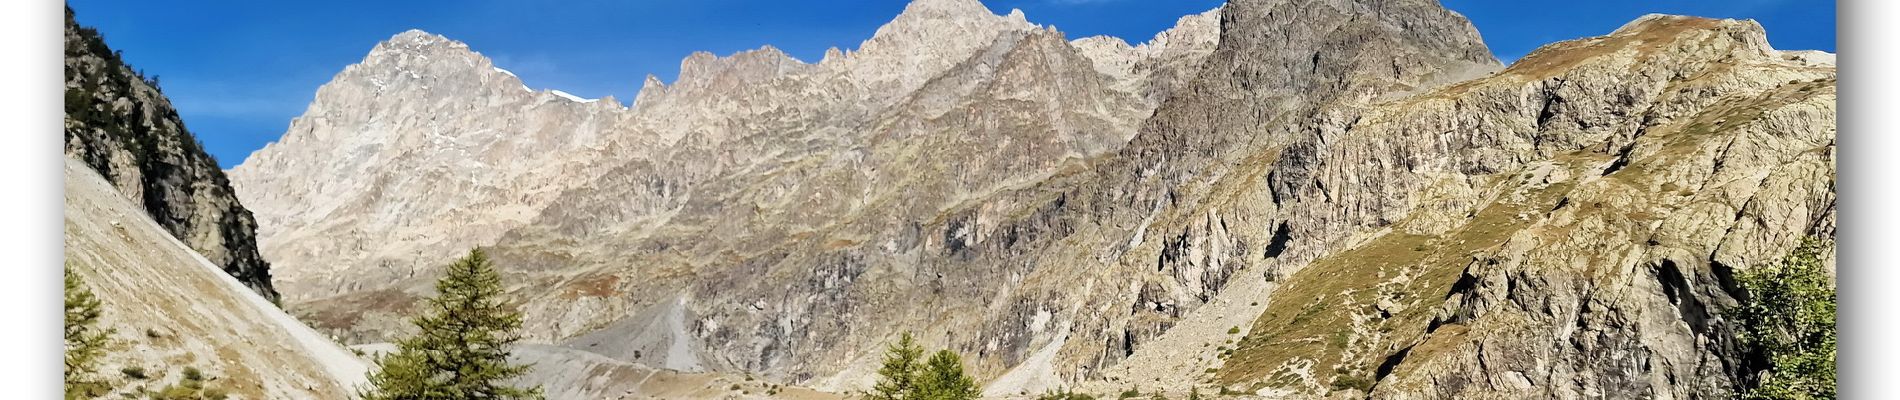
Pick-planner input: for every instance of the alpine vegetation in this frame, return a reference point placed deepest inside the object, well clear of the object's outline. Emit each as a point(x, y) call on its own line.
point(904, 377)
point(86, 340)
point(462, 349)
point(1787, 321)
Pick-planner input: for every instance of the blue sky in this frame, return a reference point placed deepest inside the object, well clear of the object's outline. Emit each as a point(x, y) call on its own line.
point(238, 71)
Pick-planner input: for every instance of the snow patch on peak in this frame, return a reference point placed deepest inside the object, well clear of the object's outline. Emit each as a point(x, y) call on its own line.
point(511, 74)
point(571, 97)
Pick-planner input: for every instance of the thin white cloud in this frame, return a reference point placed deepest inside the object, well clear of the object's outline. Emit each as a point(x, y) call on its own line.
point(224, 100)
point(236, 107)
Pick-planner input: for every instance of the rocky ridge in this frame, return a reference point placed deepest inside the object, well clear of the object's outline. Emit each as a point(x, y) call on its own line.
point(119, 123)
point(1563, 228)
point(1086, 212)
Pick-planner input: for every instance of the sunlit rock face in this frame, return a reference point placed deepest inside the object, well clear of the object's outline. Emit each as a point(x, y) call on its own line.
point(1084, 211)
point(122, 126)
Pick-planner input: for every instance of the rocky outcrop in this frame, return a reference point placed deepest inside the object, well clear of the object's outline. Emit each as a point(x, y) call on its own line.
point(120, 124)
point(1157, 67)
point(1568, 227)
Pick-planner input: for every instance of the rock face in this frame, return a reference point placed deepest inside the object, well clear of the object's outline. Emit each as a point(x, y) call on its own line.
point(1298, 197)
point(1566, 228)
point(119, 123)
point(422, 138)
point(170, 308)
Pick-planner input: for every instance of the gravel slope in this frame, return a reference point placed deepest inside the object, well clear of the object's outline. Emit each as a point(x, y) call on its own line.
point(171, 308)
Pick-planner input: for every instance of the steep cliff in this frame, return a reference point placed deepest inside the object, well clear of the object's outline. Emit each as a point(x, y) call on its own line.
point(119, 123)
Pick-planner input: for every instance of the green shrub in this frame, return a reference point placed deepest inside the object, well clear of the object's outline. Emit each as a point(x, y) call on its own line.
point(134, 372)
point(1130, 393)
point(191, 386)
point(1786, 322)
point(1343, 382)
point(1064, 394)
point(85, 340)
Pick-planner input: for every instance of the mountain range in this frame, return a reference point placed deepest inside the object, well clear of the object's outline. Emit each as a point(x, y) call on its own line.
point(1280, 198)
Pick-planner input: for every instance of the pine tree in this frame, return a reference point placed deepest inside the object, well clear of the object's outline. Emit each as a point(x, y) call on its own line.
point(899, 373)
point(461, 351)
point(943, 379)
point(85, 341)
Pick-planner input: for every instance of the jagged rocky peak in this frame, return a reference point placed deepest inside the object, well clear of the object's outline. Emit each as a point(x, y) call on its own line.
point(1190, 30)
point(421, 130)
point(423, 62)
point(705, 71)
point(1314, 52)
point(417, 39)
point(927, 38)
point(832, 54)
point(940, 22)
point(416, 48)
point(944, 9)
point(945, 21)
point(651, 90)
point(1184, 45)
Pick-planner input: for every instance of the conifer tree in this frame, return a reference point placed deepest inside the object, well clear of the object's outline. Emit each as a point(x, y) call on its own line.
point(85, 340)
point(461, 351)
point(943, 379)
point(899, 373)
